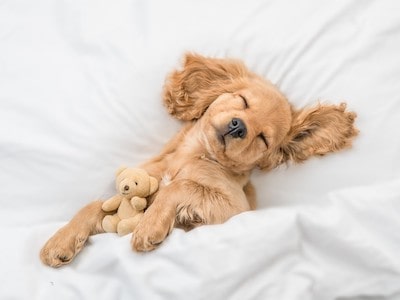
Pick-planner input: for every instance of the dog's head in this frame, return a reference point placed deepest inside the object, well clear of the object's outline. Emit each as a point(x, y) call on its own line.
point(246, 122)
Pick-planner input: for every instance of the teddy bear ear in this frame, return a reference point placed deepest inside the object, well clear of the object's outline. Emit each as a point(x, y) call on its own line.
point(153, 185)
point(120, 170)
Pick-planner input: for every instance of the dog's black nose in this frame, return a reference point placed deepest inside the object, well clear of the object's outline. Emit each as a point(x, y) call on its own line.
point(237, 128)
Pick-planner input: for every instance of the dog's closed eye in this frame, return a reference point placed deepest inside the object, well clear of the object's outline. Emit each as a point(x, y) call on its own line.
point(264, 139)
point(246, 104)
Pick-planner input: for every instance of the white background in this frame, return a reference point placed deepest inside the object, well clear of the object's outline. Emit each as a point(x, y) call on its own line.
point(80, 95)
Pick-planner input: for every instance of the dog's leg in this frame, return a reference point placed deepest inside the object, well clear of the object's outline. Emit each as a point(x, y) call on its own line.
point(159, 219)
point(188, 204)
point(156, 223)
point(67, 242)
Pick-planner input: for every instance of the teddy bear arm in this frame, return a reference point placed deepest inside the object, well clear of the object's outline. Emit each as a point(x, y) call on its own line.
point(110, 223)
point(112, 203)
point(139, 203)
point(128, 225)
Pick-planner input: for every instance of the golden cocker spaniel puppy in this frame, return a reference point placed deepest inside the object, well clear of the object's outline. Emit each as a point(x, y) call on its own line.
point(234, 121)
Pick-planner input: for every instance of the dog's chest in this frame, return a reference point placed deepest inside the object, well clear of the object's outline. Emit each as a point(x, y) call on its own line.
point(166, 179)
point(196, 169)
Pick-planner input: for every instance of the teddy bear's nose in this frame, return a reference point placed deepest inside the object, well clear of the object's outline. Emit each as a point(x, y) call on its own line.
point(126, 188)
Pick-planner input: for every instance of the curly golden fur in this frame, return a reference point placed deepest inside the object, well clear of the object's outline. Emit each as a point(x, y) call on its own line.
point(234, 121)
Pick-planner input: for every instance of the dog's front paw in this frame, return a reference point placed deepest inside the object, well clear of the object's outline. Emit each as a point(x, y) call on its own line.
point(146, 238)
point(62, 247)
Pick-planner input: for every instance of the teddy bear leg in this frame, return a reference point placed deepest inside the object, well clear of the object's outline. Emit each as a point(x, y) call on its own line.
point(110, 223)
point(128, 225)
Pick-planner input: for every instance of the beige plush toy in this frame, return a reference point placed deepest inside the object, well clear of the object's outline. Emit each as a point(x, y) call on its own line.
point(133, 186)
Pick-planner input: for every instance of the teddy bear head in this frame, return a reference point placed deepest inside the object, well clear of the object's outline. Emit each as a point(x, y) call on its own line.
point(132, 182)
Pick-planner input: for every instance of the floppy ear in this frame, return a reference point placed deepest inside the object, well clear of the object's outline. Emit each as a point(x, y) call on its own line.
point(318, 131)
point(189, 92)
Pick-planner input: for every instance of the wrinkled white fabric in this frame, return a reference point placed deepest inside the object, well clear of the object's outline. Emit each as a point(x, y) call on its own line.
point(80, 95)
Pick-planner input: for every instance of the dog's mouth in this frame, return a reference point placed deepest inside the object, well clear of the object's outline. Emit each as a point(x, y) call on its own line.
point(221, 139)
point(222, 135)
point(220, 152)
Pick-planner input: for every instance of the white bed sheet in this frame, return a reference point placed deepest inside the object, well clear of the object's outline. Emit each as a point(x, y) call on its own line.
point(80, 85)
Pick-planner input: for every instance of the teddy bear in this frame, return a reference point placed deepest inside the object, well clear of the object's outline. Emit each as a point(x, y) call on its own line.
point(133, 186)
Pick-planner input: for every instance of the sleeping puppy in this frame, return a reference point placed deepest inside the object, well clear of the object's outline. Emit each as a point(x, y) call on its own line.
point(234, 121)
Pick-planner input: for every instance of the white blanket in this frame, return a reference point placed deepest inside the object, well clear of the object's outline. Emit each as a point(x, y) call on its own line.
point(80, 95)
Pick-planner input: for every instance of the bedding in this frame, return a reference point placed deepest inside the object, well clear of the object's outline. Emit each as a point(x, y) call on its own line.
point(80, 95)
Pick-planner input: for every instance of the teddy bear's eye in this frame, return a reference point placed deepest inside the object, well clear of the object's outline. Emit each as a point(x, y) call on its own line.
point(135, 182)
